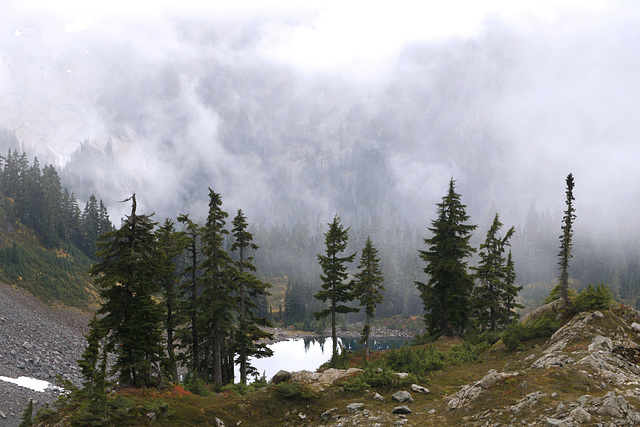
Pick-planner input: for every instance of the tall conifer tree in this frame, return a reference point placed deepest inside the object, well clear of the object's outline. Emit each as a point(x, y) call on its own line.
point(335, 289)
point(369, 287)
point(218, 303)
point(249, 289)
point(190, 290)
point(446, 296)
point(492, 274)
point(170, 245)
point(565, 239)
point(126, 276)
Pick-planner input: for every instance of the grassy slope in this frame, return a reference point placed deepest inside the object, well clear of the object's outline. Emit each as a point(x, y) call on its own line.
point(265, 407)
point(52, 275)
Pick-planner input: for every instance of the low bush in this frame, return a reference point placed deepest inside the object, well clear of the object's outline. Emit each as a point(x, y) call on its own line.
point(518, 333)
point(466, 352)
point(197, 386)
point(591, 298)
point(416, 361)
point(291, 390)
point(372, 378)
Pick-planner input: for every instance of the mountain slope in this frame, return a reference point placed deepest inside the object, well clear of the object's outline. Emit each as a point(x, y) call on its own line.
point(36, 341)
point(585, 374)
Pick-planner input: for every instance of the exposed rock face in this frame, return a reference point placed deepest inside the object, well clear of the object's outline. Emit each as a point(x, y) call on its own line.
point(470, 392)
point(594, 351)
point(324, 378)
point(331, 374)
point(304, 377)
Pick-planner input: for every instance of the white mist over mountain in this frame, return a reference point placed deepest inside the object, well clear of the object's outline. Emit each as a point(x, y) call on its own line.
point(345, 107)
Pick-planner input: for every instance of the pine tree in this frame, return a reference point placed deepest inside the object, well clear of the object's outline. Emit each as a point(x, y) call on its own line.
point(170, 245)
point(90, 224)
point(190, 290)
point(250, 288)
point(126, 276)
point(27, 415)
point(93, 366)
point(217, 294)
point(492, 274)
point(446, 297)
point(335, 289)
point(369, 287)
point(511, 290)
point(565, 240)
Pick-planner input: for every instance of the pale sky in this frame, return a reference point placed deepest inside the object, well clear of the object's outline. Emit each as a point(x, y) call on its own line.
point(336, 33)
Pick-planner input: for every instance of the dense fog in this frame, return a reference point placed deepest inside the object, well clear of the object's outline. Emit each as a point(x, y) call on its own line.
point(167, 102)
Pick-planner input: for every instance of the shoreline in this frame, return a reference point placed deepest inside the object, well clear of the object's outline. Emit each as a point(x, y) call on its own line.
point(285, 334)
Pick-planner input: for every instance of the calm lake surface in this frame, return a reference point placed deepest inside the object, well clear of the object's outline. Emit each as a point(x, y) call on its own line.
point(310, 353)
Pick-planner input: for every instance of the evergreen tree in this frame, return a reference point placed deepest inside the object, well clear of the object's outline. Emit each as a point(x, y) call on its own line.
point(335, 289)
point(27, 415)
point(511, 290)
point(295, 301)
point(369, 287)
point(446, 297)
point(93, 366)
point(126, 276)
point(170, 245)
point(51, 207)
point(565, 240)
point(190, 290)
point(90, 226)
point(250, 288)
point(492, 273)
point(217, 294)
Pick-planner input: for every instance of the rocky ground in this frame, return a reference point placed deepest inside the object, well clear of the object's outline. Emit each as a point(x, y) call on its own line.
point(36, 341)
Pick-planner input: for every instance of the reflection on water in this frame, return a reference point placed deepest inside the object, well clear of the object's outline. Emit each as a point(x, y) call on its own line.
point(310, 353)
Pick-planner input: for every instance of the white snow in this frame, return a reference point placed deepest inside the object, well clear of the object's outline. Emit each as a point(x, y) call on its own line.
point(32, 383)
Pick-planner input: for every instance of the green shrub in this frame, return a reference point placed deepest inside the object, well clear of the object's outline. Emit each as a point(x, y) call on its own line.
point(372, 378)
point(486, 338)
point(416, 361)
point(239, 388)
point(593, 299)
point(465, 352)
point(290, 390)
point(518, 333)
point(556, 293)
point(197, 386)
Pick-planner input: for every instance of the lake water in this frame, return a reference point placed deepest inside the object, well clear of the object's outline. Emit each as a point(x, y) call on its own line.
point(309, 353)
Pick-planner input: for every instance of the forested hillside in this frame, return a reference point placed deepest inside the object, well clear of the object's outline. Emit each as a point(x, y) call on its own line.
point(47, 243)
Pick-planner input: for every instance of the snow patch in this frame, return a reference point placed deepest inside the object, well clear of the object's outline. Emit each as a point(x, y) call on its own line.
point(32, 383)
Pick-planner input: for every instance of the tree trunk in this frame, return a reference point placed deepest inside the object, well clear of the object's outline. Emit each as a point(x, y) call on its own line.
point(217, 356)
point(366, 338)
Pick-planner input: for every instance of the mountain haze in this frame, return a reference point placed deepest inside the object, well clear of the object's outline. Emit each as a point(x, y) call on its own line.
point(167, 105)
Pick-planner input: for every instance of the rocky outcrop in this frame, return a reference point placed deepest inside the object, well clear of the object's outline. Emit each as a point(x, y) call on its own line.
point(329, 376)
point(470, 392)
point(595, 351)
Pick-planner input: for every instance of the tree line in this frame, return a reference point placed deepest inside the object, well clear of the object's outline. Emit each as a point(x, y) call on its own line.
point(50, 210)
point(455, 299)
point(196, 286)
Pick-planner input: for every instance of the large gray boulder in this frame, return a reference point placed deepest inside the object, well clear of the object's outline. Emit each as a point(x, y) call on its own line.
point(402, 396)
point(404, 409)
point(280, 377)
